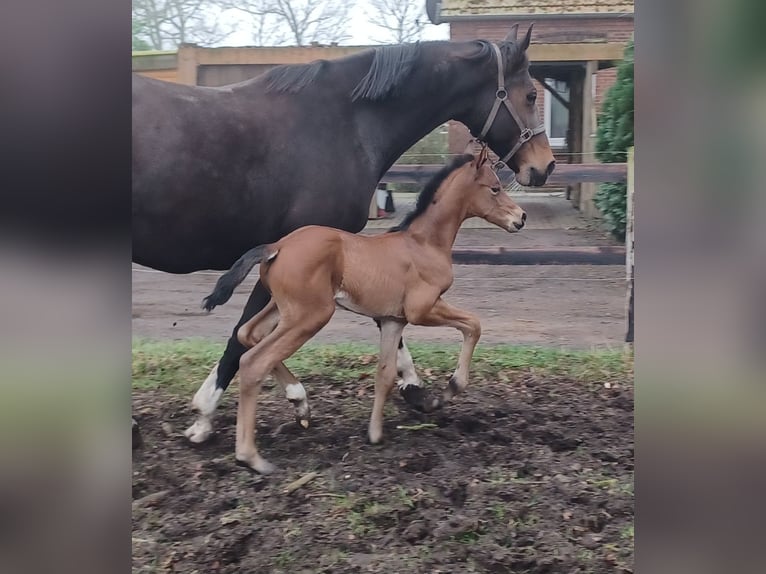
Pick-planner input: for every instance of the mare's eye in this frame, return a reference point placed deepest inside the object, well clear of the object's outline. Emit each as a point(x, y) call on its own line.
point(495, 190)
point(532, 97)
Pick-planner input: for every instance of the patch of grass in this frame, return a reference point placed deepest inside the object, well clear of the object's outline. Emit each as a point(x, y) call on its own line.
point(468, 537)
point(627, 533)
point(404, 497)
point(183, 365)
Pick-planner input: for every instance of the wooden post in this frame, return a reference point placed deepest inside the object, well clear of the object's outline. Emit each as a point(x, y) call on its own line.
point(373, 213)
point(588, 190)
point(575, 129)
point(187, 64)
point(629, 246)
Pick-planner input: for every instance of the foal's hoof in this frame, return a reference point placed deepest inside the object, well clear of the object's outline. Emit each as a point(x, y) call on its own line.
point(303, 418)
point(200, 431)
point(256, 463)
point(302, 413)
point(418, 398)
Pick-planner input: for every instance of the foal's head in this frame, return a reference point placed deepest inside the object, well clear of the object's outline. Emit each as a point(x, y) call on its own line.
point(480, 189)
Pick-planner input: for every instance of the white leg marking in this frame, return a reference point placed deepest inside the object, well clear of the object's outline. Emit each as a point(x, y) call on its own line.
point(406, 367)
point(206, 398)
point(205, 401)
point(295, 392)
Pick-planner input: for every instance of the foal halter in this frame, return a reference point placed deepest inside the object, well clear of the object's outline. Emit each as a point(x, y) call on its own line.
point(501, 97)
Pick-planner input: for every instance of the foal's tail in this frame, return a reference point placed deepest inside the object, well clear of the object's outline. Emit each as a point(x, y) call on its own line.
point(227, 282)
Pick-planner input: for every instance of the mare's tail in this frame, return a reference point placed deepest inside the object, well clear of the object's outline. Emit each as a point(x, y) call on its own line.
point(227, 282)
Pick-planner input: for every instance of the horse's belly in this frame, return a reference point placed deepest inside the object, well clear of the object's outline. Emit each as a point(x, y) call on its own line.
point(345, 300)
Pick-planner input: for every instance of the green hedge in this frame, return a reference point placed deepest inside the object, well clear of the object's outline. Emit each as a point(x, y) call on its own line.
point(614, 137)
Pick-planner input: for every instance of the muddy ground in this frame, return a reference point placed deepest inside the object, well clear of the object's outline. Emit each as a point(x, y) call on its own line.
point(520, 475)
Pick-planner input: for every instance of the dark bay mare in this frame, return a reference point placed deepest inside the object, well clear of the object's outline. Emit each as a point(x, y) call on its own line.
point(217, 171)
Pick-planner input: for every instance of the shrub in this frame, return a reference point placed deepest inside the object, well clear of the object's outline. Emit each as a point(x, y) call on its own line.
point(613, 138)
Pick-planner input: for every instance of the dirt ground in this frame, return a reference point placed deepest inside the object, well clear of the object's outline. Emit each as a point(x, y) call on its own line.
point(531, 476)
point(577, 306)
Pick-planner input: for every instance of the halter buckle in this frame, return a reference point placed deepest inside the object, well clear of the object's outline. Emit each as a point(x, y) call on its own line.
point(526, 135)
point(498, 165)
point(501, 94)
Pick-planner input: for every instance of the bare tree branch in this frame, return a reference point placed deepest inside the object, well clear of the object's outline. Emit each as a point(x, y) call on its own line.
point(163, 24)
point(303, 21)
point(402, 20)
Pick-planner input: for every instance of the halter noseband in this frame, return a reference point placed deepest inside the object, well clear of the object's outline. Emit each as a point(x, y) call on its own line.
point(501, 97)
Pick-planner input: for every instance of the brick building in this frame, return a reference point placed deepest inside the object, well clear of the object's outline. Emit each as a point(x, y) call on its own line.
point(576, 71)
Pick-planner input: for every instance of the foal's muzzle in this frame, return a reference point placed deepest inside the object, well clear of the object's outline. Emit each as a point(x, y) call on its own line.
point(517, 225)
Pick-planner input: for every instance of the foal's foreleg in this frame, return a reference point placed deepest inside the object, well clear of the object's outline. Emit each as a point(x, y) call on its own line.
point(410, 385)
point(444, 314)
point(390, 335)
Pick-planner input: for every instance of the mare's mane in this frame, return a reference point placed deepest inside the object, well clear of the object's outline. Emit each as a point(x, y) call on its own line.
point(390, 68)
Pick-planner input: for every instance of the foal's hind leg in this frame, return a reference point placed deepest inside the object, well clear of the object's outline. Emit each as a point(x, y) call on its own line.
point(390, 335)
point(209, 394)
point(257, 363)
point(444, 314)
point(255, 330)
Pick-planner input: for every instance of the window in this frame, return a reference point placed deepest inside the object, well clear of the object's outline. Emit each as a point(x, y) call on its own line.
point(556, 114)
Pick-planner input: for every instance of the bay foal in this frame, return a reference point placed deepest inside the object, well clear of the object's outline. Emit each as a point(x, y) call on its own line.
point(396, 278)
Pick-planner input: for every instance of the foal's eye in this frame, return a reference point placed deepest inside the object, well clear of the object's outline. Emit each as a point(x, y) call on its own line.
point(532, 97)
point(495, 190)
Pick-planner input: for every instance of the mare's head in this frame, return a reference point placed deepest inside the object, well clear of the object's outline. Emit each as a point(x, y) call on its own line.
point(488, 115)
point(480, 190)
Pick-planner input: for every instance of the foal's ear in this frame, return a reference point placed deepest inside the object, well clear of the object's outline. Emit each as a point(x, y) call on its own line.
point(481, 159)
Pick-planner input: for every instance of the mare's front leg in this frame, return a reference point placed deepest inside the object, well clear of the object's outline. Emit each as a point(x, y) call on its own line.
point(444, 314)
point(390, 335)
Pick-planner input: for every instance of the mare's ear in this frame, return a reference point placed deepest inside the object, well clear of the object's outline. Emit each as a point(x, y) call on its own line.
point(527, 39)
point(512, 34)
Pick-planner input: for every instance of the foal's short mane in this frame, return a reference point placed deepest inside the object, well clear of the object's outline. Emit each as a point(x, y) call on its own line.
point(390, 68)
point(426, 196)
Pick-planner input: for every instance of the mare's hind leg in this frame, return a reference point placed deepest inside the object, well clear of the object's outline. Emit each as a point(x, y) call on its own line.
point(209, 394)
point(444, 314)
point(390, 335)
point(410, 385)
point(255, 330)
point(257, 363)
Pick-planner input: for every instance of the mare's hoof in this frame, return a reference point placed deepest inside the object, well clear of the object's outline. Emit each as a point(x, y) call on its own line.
point(199, 432)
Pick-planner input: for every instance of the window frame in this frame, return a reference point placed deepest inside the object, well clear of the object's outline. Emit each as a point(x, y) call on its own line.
point(554, 142)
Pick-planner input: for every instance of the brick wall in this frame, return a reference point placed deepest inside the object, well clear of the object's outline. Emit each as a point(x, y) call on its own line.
point(548, 30)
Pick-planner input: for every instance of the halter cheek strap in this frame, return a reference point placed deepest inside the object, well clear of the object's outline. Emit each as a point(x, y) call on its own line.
point(501, 98)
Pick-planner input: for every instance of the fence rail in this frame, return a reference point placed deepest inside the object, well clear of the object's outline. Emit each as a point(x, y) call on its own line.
point(564, 174)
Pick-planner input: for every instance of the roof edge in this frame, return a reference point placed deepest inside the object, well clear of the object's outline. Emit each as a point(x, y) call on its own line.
point(600, 15)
